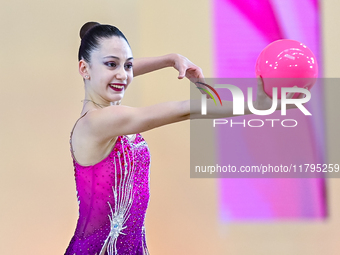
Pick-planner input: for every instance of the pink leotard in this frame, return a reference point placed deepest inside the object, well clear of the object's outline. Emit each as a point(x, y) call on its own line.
point(113, 196)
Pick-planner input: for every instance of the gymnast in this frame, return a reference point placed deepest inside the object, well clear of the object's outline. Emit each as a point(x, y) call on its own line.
point(110, 157)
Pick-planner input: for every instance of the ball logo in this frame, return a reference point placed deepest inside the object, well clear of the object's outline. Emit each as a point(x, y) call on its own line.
point(207, 91)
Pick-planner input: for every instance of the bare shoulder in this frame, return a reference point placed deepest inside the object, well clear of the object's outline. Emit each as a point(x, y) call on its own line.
point(87, 148)
point(103, 124)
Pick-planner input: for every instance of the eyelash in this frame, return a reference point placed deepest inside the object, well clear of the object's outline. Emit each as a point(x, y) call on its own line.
point(109, 65)
point(129, 65)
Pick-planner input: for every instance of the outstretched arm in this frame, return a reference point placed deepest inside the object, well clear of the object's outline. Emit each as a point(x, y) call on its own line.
point(116, 120)
point(183, 65)
point(150, 64)
point(262, 102)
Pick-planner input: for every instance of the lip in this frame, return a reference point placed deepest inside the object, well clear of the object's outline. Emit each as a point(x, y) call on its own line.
point(117, 84)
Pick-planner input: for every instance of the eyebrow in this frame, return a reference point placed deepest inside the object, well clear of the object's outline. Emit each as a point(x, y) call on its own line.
point(117, 57)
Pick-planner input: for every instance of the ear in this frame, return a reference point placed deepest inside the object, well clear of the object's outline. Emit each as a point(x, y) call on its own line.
point(83, 69)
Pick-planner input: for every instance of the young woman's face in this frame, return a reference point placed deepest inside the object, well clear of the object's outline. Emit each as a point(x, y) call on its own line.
point(110, 70)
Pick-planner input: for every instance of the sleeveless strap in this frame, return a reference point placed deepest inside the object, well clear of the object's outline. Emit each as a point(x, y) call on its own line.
point(72, 134)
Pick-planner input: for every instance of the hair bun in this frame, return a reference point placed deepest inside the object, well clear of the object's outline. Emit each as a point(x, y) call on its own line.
point(86, 27)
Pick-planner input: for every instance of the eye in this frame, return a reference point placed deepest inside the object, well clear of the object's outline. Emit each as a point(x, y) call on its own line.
point(110, 64)
point(128, 66)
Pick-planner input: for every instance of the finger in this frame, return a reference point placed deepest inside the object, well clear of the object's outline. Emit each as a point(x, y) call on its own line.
point(202, 79)
point(302, 95)
point(259, 83)
point(199, 81)
point(199, 72)
point(181, 73)
point(201, 75)
point(260, 87)
point(195, 77)
point(291, 94)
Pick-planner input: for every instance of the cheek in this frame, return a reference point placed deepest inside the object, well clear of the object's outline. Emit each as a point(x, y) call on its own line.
point(130, 79)
point(105, 76)
point(96, 74)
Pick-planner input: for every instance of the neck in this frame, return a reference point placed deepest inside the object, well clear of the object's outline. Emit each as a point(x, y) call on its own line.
point(94, 99)
point(85, 101)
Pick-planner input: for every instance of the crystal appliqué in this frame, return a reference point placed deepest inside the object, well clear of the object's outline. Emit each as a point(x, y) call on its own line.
point(123, 198)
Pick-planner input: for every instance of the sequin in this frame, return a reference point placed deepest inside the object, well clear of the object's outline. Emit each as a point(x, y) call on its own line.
point(112, 213)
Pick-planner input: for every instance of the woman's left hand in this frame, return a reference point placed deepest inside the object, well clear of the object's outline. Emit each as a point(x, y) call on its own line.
point(187, 69)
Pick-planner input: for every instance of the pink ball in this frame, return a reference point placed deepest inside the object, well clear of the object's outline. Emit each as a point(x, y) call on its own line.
point(286, 63)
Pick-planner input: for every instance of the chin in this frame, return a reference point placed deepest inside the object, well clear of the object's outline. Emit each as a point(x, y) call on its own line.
point(116, 100)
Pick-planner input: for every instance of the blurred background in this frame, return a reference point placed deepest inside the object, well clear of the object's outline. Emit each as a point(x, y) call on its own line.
point(41, 93)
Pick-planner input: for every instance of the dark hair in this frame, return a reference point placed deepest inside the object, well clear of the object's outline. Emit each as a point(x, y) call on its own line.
point(91, 33)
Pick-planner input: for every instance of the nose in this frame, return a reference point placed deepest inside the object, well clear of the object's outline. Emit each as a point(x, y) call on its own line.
point(121, 74)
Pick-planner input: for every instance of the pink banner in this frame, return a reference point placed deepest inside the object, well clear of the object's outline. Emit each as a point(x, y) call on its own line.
point(242, 29)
